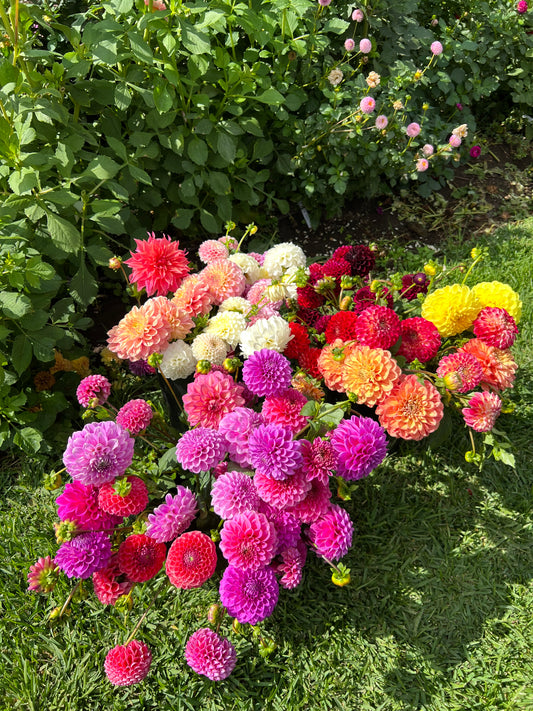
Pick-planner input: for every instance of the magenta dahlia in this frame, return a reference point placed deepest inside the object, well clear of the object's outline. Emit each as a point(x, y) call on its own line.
point(93, 390)
point(249, 595)
point(79, 503)
point(315, 504)
point(361, 444)
point(282, 492)
point(319, 459)
point(134, 416)
point(266, 372)
point(201, 449)
point(234, 493)
point(273, 452)
point(248, 540)
point(129, 664)
point(211, 655)
point(332, 534)
point(109, 583)
point(84, 555)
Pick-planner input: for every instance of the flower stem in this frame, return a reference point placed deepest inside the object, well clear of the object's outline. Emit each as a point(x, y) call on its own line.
point(164, 584)
point(69, 598)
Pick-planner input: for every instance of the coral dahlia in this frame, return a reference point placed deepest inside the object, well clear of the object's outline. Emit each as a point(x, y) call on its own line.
point(482, 411)
point(369, 373)
point(210, 397)
point(499, 366)
point(124, 497)
point(495, 327)
point(191, 560)
point(413, 410)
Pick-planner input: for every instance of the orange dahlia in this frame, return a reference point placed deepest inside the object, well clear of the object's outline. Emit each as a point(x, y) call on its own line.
point(224, 279)
point(331, 362)
point(180, 321)
point(452, 309)
point(142, 331)
point(412, 410)
point(499, 366)
point(369, 373)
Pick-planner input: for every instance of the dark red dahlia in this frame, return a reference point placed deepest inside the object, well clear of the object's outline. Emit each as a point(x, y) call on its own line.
point(361, 259)
point(414, 284)
point(316, 272)
point(321, 323)
point(299, 342)
point(308, 298)
point(308, 316)
point(340, 252)
point(337, 268)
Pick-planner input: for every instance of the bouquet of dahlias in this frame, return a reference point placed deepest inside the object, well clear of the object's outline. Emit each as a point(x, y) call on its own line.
point(293, 377)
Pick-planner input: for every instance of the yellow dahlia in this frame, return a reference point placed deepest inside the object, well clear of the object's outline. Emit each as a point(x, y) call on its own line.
point(331, 362)
point(494, 293)
point(369, 373)
point(452, 309)
point(413, 410)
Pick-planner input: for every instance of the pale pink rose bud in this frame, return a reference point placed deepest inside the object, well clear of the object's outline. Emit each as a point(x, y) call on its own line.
point(413, 129)
point(365, 45)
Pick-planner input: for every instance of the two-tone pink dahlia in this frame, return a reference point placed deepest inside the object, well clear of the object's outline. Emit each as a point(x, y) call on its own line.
point(248, 540)
point(191, 560)
point(272, 451)
point(194, 296)
point(284, 409)
point(360, 444)
point(282, 492)
point(332, 534)
point(413, 409)
point(142, 331)
point(212, 249)
point(482, 411)
point(171, 518)
point(420, 339)
point(236, 427)
point(249, 595)
point(234, 493)
point(266, 372)
point(314, 505)
point(157, 265)
point(499, 366)
point(201, 449)
point(211, 655)
point(319, 459)
point(224, 279)
point(134, 416)
point(378, 327)
point(93, 390)
point(128, 664)
point(42, 575)
point(140, 557)
point(291, 566)
point(211, 396)
point(79, 503)
point(495, 327)
point(110, 583)
point(460, 371)
point(124, 497)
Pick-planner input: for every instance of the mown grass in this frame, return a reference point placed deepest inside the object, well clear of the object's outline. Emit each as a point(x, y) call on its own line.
point(437, 616)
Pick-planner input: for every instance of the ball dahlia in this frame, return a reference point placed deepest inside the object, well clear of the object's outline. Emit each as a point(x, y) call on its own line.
point(194, 296)
point(211, 655)
point(212, 249)
point(341, 326)
point(498, 295)
point(210, 397)
point(452, 309)
point(495, 327)
point(272, 451)
point(157, 265)
point(236, 427)
point(224, 279)
point(320, 459)
point(128, 664)
point(360, 444)
point(200, 449)
point(134, 416)
point(127, 497)
point(178, 361)
point(460, 371)
point(234, 493)
point(109, 583)
point(93, 390)
point(420, 339)
point(369, 373)
point(413, 410)
point(377, 327)
point(84, 555)
point(171, 518)
point(272, 333)
point(191, 560)
point(140, 557)
point(284, 492)
point(284, 409)
point(266, 372)
point(332, 533)
point(79, 503)
point(248, 540)
point(499, 366)
point(143, 330)
point(249, 595)
point(299, 340)
point(209, 346)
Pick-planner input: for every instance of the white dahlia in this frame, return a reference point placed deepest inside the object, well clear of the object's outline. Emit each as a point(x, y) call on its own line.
point(281, 258)
point(249, 266)
point(272, 333)
point(209, 346)
point(178, 361)
point(227, 325)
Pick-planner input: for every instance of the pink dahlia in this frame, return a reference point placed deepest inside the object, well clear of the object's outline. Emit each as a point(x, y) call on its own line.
point(42, 575)
point(460, 371)
point(211, 655)
point(143, 330)
point(171, 518)
point(234, 493)
point(367, 104)
point(266, 372)
point(194, 296)
point(84, 555)
point(224, 278)
point(249, 595)
point(291, 566)
point(420, 339)
point(178, 318)
point(332, 534)
point(288, 527)
point(210, 397)
point(495, 327)
point(377, 327)
point(212, 249)
point(191, 560)
point(248, 540)
point(482, 411)
point(134, 416)
point(360, 444)
point(201, 449)
point(124, 497)
point(499, 366)
point(158, 265)
point(319, 459)
point(314, 505)
point(273, 452)
point(93, 390)
point(129, 664)
point(79, 503)
point(236, 427)
point(109, 583)
point(413, 129)
point(284, 492)
point(284, 409)
point(140, 557)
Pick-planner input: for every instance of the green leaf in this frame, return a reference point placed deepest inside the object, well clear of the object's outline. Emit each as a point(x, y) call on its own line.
point(336, 25)
point(23, 181)
point(226, 147)
point(140, 49)
point(34, 321)
point(64, 235)
point(103, 167)
point(118, 7)
point(271, 96)
point(168, 460)
point(21, 353)
point(28, 439)
point(195, 41)
point(83, 286)
point(14, 305)
point(122, 97)
point(219, 182)
point(309, 409)
point(183, 218)
point(162, 97)
point(139, 174)
point(197, 151)
point(43, 346)
point(118, 147)
point(209, 221)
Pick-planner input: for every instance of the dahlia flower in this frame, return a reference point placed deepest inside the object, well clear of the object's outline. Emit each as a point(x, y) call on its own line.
point(228, 325)
point(93, 390)
point(248, 540)
point(236, 427)
point(320, 459)
point(341, 326)
point(140, 557)
point(272, 333)
point(452, 309)
point(272, 451)
point(224, 278)
point(495, 327)
point(130, 503)
point(482, 411)
point(209, 346)
point(377, 327)
point(360, 444)
point(331, 362)
point(266, 372)
point(178, 361)
point(171, 518)
point(194, 296)
point(83, 555)
point(128, 664)
point(282, 257)
point(180, 321)
point(42, 575)
point(234, 493)
point(284, 409)
point(106, 585)
point(158, 265)
point(291, 566)
point(210, 397)
point(143, 331)
point(79, 503)
point(499, 366)
point(249, 266)
point(332, 533)
point(361, 259)
point(211, 655)
point(420, 339)
point(212, 249)
point(369, 373)
point(134, 416)
point(249, 595)
point(460, 371)
point(282, 493)
point(191, 560)
point(413, 410)
point(316, 502)
point(200, 449)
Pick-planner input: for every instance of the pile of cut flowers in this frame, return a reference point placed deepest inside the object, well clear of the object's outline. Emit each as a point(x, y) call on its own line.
point(287, 382)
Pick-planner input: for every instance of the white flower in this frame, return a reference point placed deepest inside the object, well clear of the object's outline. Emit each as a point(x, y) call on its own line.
point(273, 333)
point(248, 264)
point(235, 303)
point(289, 279)
point(178, 361)
point(209, 346)
point(281, 258)
point(461, 131)
point(228, 325)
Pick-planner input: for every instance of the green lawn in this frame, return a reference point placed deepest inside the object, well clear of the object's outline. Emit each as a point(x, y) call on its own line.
point(438, 615)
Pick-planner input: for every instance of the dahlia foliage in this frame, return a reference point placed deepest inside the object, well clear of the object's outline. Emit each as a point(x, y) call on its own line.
point(295, 379)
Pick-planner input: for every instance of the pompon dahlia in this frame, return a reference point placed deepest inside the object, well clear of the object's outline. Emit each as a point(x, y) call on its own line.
point(369, 373)
point(84, 555)
point(236, 427)
point(272, 333)
point(337, 267)
point(499, 367)
point(413, 410)
point(320, 459)
point(360, 444)
point(266, 372)
point(308, 361)
point(143, 330)
point(308, 316)
point(191, 560)
point(209, 346)
point(128, 664)
point(377, 327)
point(272, 451)
point(79, 503)
point(249, 266)
point(288, 527)
point(420, 339)
point(332, 534)
point(341, 326)
point(282, 257)
point(211, 655)
point(234, 493)
point(171, 518)
point(291, 566)
point(93, 390)
point(452, 309)
point(158, 265)
point(248, 540)
point(322, 322)
point(100, 452)
point(308, 298)
point(178, 361)
point(494, 293)
point(414, 284)
point(107, 587)
point(200, 449)
point(124, 497)
point(482, 411)
point(284, 409)
point(299, 340)
point(212, 249)
point(194, 296)
point(140, 557)
point(249, 595)
point(210, 397)
point(282, 493)
point(316, 272)
point(224, 278)
point(42, 575)
point(460, 371)
point(495, 327)
point(316, 502)
point(361, 260)
point(134, 416)
point(331, 362)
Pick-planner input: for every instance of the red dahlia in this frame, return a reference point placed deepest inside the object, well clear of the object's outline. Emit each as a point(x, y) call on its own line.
point(361, 259)
point(308, 298)
point(141, 557)
point(378, 327)
point(337, 267)
point(299, 342)
point(191, 560)
point(341, 325)
point(126, 496)
point(309, 362)
point(129, 664)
